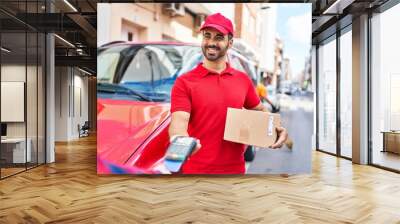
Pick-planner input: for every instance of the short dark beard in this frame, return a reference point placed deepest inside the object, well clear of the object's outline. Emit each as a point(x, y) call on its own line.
point(221, 52)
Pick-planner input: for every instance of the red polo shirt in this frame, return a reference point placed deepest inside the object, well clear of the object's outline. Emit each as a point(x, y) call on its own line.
point(206, 96)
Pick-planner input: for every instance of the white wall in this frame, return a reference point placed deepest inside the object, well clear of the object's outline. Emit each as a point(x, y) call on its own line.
point(33, 126)
point(12, 101)
point(226, 9)
point(71, 93)
point(62, 82)
point(103, 22)
point(268, 34)
point(80, 96)
point(14, 73)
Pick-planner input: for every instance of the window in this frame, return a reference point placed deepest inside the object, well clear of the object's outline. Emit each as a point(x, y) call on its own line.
point(385, 89)
point(22, 65)
point(327, 96)
point(148, 69)
point(129, 31)
point(235, 63)
point(346, 94)
point(107, 63)
point(130, 36)
point(139, 70)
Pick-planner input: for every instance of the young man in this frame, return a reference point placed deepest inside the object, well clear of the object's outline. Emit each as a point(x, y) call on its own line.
point(199, 102)
point(263, 92)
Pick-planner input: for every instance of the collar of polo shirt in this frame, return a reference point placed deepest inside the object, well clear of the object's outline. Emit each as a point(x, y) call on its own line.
point(202, 71)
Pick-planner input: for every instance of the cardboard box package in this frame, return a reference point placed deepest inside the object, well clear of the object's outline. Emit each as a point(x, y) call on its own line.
point(251, 127)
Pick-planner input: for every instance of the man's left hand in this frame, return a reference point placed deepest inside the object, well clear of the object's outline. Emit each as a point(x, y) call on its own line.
point(282, 137)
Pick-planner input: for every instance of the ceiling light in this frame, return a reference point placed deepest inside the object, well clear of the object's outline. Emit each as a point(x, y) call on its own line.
point(5, 50)
point(79, 51)
point(84, 71)
point(329, 9)
point(70, 5)
point(65, 41)
point(337, 7)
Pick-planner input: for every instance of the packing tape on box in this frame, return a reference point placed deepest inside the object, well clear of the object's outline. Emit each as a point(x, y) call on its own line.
point(244, 133)
point(270, 126)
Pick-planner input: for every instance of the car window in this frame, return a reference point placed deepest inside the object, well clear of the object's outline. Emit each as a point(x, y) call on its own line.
point(250, 69)
point(139, 69)
point(235, 63)
point(107, 62)
point(192, 59)
point(165, 62)
point(151, 70)
point(244, 66)
point(153, 63)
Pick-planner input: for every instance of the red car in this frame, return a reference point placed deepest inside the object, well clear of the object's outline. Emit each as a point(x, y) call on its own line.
point(134, 82)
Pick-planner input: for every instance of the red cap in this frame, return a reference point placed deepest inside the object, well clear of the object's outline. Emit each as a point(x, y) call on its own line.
point(218, 22)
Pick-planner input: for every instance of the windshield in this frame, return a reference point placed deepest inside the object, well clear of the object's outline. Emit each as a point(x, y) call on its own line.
point(150, 70)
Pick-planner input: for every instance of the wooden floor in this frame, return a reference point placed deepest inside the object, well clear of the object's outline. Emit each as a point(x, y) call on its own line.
point(10, 171)
point(388, 159)
point(70, 191)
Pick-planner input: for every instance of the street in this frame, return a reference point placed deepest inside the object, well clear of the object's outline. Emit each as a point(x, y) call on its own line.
point(297, 117)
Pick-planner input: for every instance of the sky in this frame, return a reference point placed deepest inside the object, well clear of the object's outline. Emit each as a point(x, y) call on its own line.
point(293, 24)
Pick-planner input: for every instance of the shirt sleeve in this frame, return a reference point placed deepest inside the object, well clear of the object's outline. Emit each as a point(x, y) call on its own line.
point(252, 99)
point(180, 97)
point(261, 91)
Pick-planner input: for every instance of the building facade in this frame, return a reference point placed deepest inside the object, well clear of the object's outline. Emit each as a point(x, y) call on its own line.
point(142, 22)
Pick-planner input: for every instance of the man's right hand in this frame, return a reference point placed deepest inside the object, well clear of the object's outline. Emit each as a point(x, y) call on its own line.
point(179, 125)
point(198, 144)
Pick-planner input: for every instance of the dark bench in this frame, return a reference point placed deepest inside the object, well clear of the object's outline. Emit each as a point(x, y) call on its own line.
point(84, 129)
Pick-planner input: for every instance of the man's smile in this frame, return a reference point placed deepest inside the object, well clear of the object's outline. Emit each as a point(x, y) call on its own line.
point(212, 50)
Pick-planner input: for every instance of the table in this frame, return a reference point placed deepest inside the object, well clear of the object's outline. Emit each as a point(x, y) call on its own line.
point(391, 141)
point(13, 150)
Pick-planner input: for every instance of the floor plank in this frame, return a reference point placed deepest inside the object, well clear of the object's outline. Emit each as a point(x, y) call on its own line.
point(70, 191)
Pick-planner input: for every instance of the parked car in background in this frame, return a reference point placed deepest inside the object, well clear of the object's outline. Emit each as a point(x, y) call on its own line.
point(134, 87)
point(285, 87)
